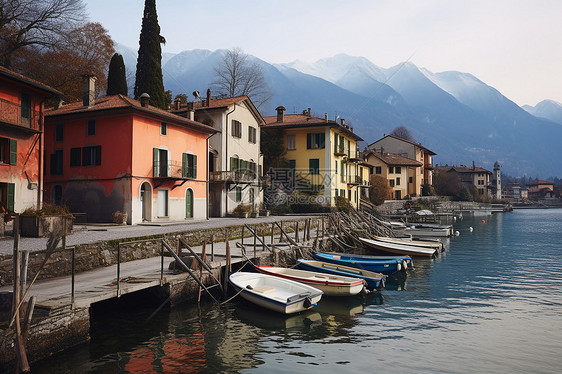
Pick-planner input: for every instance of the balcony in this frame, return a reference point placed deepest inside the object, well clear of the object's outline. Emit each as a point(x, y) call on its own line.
point(354, 156)
point(237, 176)
point(173, 170)
point(11, 114)
point(339, 150)
point(354, 180)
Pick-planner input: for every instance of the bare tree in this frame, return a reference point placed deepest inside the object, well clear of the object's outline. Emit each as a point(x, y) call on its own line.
point(403, 133)
point(25, 23)
point(238, 76)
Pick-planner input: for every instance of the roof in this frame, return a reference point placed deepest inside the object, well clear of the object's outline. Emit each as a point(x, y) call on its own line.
point(539, 182)
point(462, 169)
point(392, 159)
point(28, 81)
point(304, 121)
point(407, 141)
point(223, 103)
point(120, 102)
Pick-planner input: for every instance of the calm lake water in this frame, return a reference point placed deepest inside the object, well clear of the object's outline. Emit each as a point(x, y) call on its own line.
point(491, 303)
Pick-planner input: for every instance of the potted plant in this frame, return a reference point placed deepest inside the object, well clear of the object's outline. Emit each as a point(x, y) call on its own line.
point(41, 222)
point(242, 211)
point(263, 211)
point(120, 218)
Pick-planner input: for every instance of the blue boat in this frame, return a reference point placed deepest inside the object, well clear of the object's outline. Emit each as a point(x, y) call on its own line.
point(375, 281)
point(379, 264)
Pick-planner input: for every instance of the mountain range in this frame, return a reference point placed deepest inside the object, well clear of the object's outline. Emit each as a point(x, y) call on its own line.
point(454, 114)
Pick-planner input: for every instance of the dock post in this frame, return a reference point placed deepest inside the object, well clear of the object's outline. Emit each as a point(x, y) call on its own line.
point(161, 263)
point(255, 239)
point(213, 247)
point(118, 266)
point(272, 231)
point(263, 236)
point(73, 277)
point(297, 231)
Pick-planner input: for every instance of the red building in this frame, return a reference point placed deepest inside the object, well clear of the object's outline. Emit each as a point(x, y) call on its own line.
point(21, 140)
point(119, 154)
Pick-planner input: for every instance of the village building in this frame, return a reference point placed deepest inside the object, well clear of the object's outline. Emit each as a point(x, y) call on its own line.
point(540, 190)
point(22, 102)
point(497, 182)
point(471, 178)
point(322, 156)
point(398, 170)
point(514, 193)
point(414, 151)
point(235, 161)
point(117, 154)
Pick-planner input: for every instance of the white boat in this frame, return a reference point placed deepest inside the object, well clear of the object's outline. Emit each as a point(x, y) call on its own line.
point(274, 293)
point(330, 284)
point(424, 231)
point(410, 241)
point(402, 249)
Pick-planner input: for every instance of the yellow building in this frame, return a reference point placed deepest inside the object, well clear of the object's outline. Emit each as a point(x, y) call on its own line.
point(322, 155)
point(400, 172)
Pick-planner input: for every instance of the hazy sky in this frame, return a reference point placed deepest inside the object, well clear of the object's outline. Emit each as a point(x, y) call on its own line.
point(512, 45)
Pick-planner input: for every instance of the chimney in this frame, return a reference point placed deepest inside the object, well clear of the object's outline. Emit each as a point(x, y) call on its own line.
point(177, 104)
point(342, 122)
point(473, 166)
point(58, 103)
point(280, 113)
point(88, 89)
point(308, 112)
point(208, 97)
point(190, 112)
point(326, 117)
point(144, 100)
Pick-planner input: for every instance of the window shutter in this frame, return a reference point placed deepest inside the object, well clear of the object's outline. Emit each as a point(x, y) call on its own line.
point(11, 196)
point(336, 143)
point(155, 169)
point(184, 165)
point(322, 141)
point(308, 141)
point(98, 155)
point(194, 166)
point(13, 151)
point(233, 164)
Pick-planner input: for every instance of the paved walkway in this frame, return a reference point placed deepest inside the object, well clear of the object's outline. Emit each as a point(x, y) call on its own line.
point(94, 233)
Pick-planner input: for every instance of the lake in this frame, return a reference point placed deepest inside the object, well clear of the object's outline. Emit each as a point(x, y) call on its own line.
point(491, 303)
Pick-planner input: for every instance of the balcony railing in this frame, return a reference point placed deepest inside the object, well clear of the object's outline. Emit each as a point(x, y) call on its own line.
point(354, 179)
point(237, 176)
point(11, 113)
point(172, 170)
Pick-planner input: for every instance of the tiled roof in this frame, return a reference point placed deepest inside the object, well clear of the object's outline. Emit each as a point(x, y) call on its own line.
point(222, 103)
point(392, 159)
point(462, 169)
point(302, 120)
point(116, 102)
point(407, 141)
point(539, 182)
point(22, 78)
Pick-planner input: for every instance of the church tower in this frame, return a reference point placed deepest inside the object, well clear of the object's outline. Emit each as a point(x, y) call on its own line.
point(497, 182)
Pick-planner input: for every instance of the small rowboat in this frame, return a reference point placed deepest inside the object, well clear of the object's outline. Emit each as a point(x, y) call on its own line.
point(274, 293)
point(437, 245)
point(403, 249)
point(330, 284)
point(375, 281)
point(379, 264)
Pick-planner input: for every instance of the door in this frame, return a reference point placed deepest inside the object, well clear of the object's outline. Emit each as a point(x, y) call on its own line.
point(189, 203)
point(162, 203)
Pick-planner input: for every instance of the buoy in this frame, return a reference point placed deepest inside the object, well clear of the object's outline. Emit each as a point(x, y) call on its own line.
point(483, 221)
point(457, 233)
point(398, 266)
point(455, 219)
point(470, 229)
point(405, 264)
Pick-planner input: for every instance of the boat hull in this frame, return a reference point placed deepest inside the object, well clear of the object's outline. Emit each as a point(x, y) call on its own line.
point(402, 249)
point(383, 266)
point(374, 281)
point(330, 284)
point(273, 293)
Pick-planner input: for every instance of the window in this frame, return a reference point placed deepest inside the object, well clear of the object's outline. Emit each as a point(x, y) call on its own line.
point(315, 141)
point(160, 166)
point(398, 181)
point(336, 166)
point(378, 170)
point(391, 170)
point(25, 109)
point(91, 128)
point(59, 132)
point(342, 174)
point(398, 170)
point(342, 192)
point(314, 165)
point(252, 134)
point(391, 181)
point(56, 162)
point(75, 156)
point(238, 194)
point(291, 142)
point(91, 156)
point(234, 163)
point(410, 180)
point(292, 164)
point(7, 195)
point(236, 129)
point(8, 151)
point(163, 128)
point(189, 165)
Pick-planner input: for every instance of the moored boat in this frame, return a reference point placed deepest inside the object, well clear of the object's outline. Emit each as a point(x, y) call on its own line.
point(330, 284)
point(402, 249)
point(410, 241)
point(274, 293)
point(384, 265)
point(375, 281)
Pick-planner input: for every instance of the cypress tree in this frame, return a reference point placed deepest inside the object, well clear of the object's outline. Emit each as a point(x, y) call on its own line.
point(116, 80)
point(149, 61)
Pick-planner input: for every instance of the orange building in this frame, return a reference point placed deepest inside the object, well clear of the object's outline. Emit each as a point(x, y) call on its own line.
point(119, 154)
point(21, 141)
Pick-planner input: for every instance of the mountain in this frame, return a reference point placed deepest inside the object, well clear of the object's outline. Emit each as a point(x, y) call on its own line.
point(548, 109)
point(454, 114)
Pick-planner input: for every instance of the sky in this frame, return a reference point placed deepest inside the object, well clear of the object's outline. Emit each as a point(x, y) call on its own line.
point(514, 46)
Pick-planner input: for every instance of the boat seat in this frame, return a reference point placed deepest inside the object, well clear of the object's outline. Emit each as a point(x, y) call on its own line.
point(263, 289)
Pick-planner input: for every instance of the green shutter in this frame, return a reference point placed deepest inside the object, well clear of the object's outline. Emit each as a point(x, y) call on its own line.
point(193, 166)
point(322, 141)
point(155, 152)
point(184, 165)
point(13, 151)
point(11, 197)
